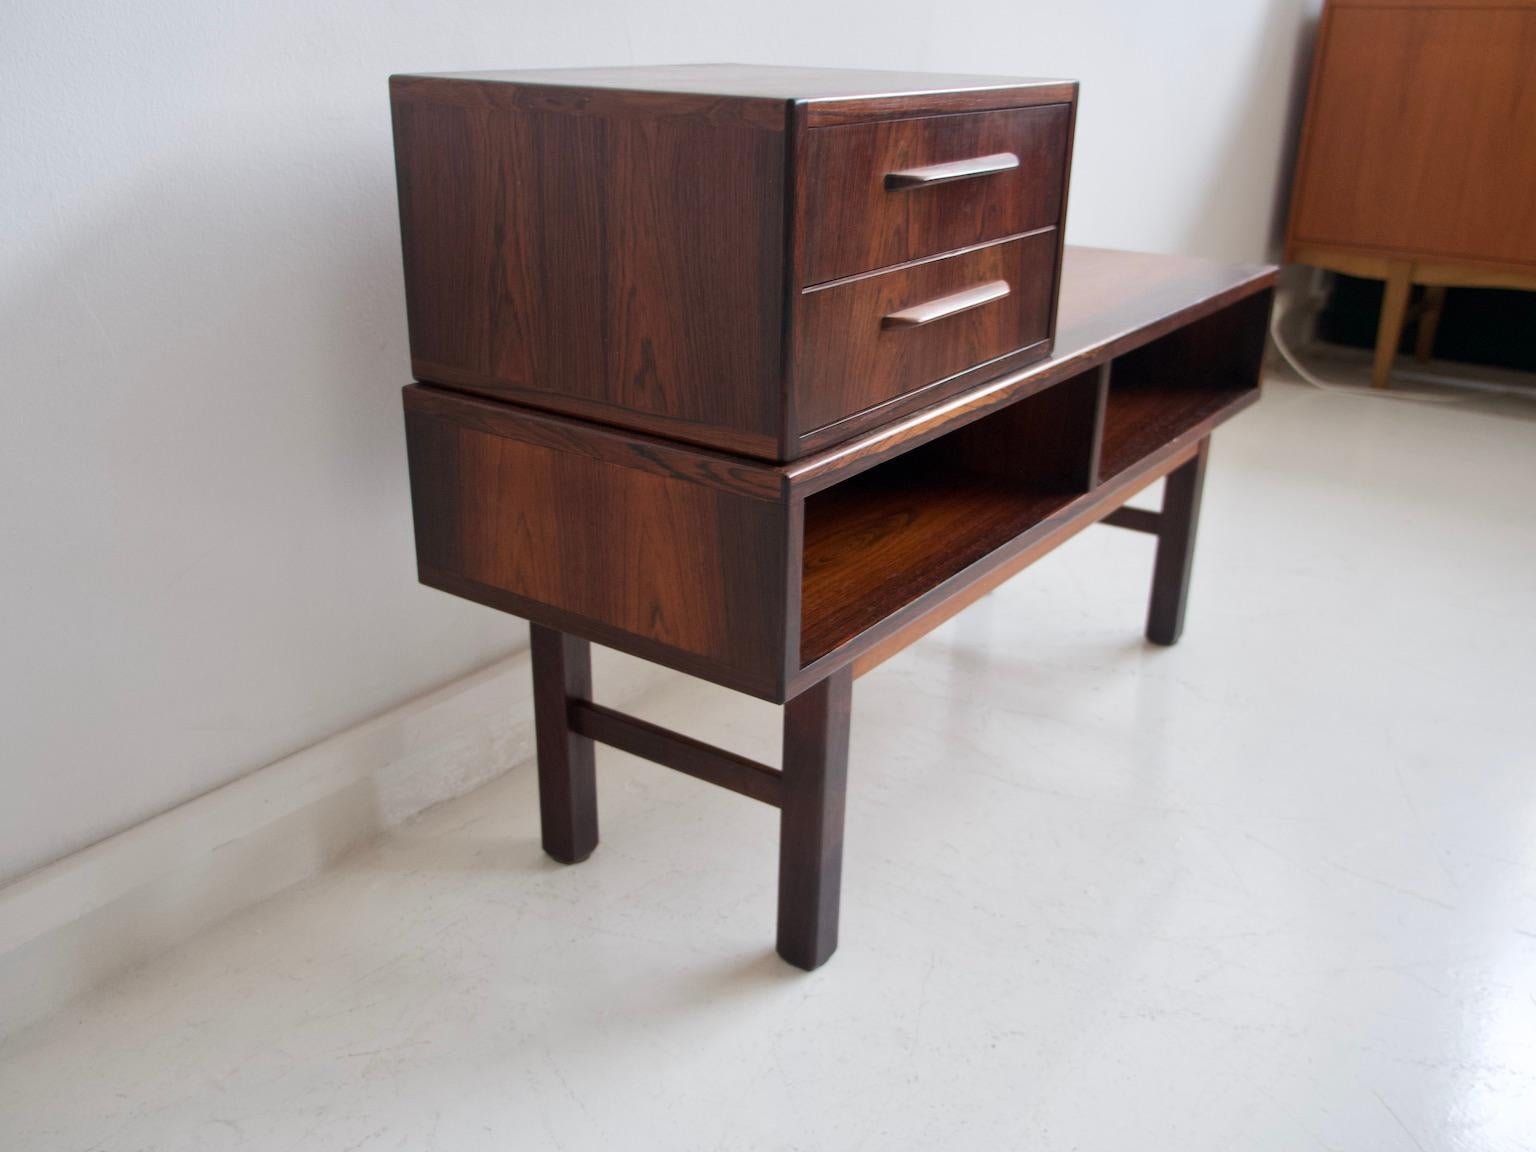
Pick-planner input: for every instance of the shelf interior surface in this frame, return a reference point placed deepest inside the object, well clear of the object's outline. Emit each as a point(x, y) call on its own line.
point(877, 542)
point(1142, 418)
point(1161, 390)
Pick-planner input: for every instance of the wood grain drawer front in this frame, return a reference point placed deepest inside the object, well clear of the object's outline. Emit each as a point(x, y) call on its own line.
point(872, 195)
point(865, 342)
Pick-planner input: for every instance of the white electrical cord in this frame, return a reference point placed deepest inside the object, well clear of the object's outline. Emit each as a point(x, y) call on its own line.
point(1472, 386)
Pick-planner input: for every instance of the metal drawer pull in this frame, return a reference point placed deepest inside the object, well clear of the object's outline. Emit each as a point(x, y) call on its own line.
point(954, 170)
point(920, 314)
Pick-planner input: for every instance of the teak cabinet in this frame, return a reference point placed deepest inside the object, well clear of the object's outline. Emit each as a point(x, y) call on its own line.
point(1418, 154)
point(764, 388)
point(759, 260)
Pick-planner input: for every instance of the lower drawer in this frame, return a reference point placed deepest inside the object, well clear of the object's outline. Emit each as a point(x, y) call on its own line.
point(869, 342)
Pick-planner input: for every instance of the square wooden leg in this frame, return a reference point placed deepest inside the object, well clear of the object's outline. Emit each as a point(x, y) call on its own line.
point(1389, 330)
point(815, 784)
point(1176, 548)
point(1429, 322)
point(562, 672)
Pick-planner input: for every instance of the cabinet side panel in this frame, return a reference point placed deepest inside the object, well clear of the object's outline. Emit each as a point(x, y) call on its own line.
point(680, 572)
point(608, 263)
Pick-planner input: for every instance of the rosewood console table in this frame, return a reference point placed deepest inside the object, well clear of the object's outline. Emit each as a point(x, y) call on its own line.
point(786, 580)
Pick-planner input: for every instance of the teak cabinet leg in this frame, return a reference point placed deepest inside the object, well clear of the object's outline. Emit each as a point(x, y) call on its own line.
point(1176, 548)
point(1394, 309)
point(1429, 322)
point(815, 785)
point(562, 671)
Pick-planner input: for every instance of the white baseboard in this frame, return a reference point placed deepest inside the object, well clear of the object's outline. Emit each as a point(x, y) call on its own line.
point(74, 923)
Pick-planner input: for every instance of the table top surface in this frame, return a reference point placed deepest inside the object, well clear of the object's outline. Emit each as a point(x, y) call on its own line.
point(1107, 293)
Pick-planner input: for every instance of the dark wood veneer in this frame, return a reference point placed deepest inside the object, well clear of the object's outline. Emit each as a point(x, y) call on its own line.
point(562, 676)
point(879, 542)
point(594, 262)
point(1111, 304)
point(1142, 419)
point(847, 362)
point(678, 563)
point(620, 244)
point(1176, 525)
point(762, 577)
point(815, 793)
point(853, 222)
point(788, 580)
point(1153, 394)
point(829, 95)
point(690, 757)
point(888, 536)
point(659, 457)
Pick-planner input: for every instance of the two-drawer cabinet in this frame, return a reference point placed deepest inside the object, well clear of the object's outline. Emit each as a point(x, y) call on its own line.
point(768, 384)
point(760, 260)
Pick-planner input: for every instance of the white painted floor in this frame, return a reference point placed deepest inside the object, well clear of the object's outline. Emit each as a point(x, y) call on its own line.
point(1272, 889)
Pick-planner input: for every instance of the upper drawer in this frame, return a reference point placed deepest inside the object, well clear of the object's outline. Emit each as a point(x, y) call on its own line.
point(872, 195)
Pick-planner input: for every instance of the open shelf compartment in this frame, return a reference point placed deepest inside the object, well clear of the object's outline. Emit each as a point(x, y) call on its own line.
point(888, 536)
point(1164, 388)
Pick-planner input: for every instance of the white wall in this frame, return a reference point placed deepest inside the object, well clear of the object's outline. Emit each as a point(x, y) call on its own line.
point(205, 557)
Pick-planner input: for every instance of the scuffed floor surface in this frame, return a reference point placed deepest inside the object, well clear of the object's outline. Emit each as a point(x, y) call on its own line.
point(1273, 889)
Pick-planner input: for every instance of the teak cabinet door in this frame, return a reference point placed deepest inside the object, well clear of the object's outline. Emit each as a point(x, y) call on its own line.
point(1421, 133)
